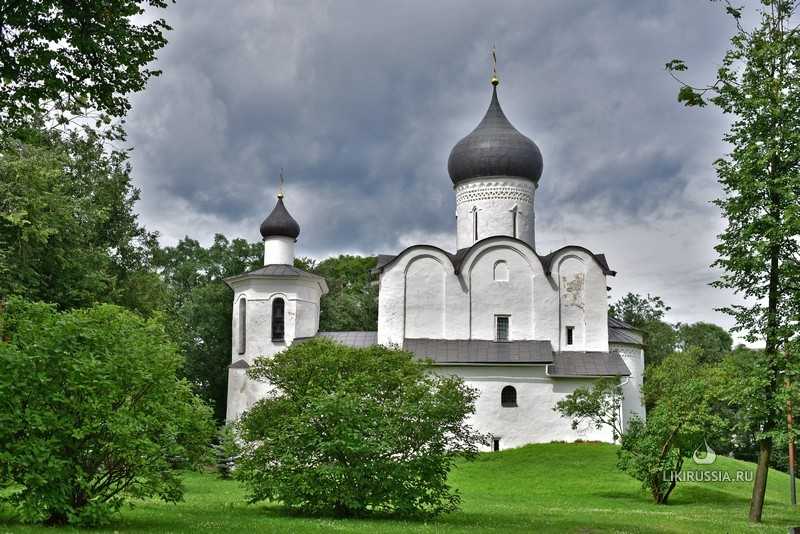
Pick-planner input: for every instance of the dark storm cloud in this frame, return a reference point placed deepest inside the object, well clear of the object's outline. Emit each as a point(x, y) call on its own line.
point(361, 102)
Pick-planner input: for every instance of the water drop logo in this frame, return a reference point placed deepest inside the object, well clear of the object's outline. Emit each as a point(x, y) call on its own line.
point(704, 457)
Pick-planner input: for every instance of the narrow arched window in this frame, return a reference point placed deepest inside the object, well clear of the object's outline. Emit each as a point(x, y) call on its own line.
point(514, 221)
point(242, 325)
point(508, 397)
point(475, 224)
point(278, 328)
point(500, 271)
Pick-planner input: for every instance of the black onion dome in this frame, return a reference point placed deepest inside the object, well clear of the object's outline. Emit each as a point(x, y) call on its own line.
point(495, 148)
point(280, 223)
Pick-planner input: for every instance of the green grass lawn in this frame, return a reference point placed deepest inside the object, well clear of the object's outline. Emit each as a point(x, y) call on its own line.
point(538, 488)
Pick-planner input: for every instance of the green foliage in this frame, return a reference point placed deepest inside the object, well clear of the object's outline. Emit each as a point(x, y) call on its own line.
point(713, 341)
point(226, 450)
point(201, 308)
point(637, 310)
point(92, 413)
point(68, 231)
point(599, 405)
point(352, 301)
point(72, 58)
point(201, 303)
point(758, 86)
point(647, 314)
point(350, 431)
point(684, 416)
point(647, 454)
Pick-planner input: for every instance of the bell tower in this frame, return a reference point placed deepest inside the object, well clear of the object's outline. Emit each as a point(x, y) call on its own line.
point(272, 306)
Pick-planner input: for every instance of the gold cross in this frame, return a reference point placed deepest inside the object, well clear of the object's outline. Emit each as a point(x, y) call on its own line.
point(495, 79)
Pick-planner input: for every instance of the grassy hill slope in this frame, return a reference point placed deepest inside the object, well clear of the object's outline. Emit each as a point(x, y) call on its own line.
point(538, 488)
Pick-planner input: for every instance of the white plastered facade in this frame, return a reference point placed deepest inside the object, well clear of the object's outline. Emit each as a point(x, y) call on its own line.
point(255, 295)
point(424, 295)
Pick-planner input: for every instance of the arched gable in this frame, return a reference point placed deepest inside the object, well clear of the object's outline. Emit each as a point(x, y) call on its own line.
point(510, 297)
point(466, 260)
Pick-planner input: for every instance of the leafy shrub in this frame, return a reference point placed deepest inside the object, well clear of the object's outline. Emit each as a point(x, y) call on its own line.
point(91, 412)
point(686, 414)
point(348, 431)
point(648, 453)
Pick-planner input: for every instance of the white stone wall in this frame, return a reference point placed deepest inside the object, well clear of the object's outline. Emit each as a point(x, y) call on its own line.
point(633, 356)
point(301, 319)
point(421, 296)
point(533, 420)
point(279, 250)
point(495, 199)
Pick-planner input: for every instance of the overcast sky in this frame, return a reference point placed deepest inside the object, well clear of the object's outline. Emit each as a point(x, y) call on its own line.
point(361, 102)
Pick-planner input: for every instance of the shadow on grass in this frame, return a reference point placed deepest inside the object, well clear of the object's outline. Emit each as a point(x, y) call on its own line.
point(682, 496)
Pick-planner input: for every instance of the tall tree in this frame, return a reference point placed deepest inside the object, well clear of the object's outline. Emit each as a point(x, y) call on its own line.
point(68, 231)
point(352, 301)
point(758, 86)
point(713, 341)
point(647, 313)
point(201, 307)
point(67, 59)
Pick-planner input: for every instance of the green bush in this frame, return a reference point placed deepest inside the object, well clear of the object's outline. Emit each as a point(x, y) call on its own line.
point(91, 412)
point(686, 414)
point(349, 431)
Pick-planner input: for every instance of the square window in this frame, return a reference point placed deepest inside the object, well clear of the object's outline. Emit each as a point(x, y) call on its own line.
point(501, 327)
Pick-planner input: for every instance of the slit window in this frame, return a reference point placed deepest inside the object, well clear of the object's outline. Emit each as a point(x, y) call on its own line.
point(514, 221)
point(508, 397)
point(501, 327)
point(570, 335)
point(242, 325)
point(278, 324)
point(495, 444)
point(475, 224)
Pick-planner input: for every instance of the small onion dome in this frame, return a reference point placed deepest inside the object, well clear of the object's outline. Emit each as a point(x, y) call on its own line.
point(280, 223)
point(495, 148)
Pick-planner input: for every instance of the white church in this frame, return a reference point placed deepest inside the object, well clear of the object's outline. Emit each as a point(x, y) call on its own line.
point(525, 329)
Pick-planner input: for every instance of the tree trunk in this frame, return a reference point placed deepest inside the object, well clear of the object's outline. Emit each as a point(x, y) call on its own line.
point(760, 482)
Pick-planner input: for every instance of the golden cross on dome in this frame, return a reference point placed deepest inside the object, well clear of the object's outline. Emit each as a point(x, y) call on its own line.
point(495, 79)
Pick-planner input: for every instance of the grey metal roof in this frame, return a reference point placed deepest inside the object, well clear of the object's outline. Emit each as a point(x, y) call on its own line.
point(382, 260)
point(276, 269)
point(495, 148)
point(470, 351)
point(279, 222)
point(279, 269)
point(349, 339)
point(352, 339)
point(622, 332)
point(619, 335)
point(588, 364)
point(613, 322)
point(239, 364)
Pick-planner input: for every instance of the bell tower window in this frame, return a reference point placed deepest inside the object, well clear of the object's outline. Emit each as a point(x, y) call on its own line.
point(242, 345)
point(278, 323)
